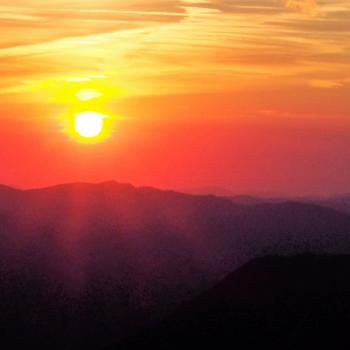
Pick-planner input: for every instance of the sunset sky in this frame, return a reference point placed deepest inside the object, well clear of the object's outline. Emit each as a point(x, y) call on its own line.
point(248, 95)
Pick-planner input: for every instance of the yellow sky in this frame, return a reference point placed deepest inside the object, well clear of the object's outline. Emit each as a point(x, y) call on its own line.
point(172, 46)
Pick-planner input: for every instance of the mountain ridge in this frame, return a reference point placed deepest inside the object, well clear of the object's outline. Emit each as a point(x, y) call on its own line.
point(109, 258)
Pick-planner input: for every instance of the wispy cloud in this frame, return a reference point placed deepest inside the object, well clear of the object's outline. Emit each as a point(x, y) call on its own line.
point(171, 46)
point(308, 6)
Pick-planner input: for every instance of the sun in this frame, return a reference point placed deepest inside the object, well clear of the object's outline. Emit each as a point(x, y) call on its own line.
point(87, 120)
point(89, 124)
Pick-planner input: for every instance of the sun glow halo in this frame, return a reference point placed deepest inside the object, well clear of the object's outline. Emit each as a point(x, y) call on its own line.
point(88, 94)
point(87, 119)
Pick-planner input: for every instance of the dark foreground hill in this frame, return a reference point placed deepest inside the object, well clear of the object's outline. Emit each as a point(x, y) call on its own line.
point(301, 302)
point(82, 265)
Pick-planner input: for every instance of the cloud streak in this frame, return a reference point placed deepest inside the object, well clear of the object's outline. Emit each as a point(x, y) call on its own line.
point(308, 6)
point(171, 46)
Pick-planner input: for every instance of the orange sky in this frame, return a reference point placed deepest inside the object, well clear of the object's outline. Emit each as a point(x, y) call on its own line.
point(250, 95)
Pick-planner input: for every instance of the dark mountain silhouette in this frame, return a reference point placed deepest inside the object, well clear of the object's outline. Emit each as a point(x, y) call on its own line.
point(83, 264)
point(209, 190)
point(300, 302)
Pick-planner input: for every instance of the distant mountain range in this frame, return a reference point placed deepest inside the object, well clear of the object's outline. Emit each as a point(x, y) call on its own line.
point(338, 202)
point(341, 203)
point(84, 265)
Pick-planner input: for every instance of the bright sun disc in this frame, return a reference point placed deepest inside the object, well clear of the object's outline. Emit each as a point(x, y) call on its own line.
point(88, 124)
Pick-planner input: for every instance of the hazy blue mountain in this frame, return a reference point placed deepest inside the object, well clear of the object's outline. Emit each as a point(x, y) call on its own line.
point(341, 203)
